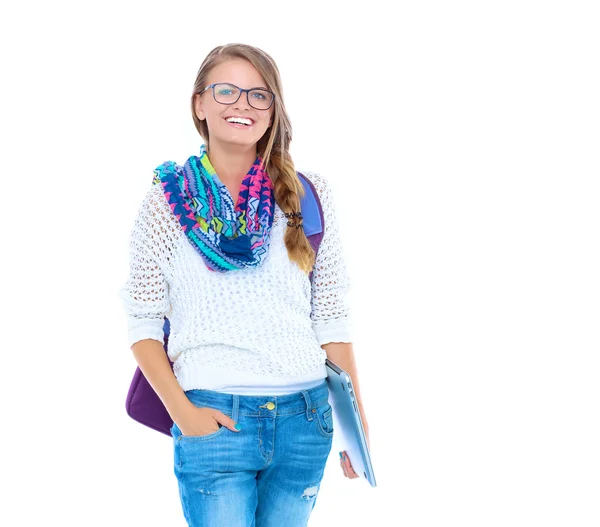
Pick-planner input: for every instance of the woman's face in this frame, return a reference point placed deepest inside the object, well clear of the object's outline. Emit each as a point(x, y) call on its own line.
point(243, 75)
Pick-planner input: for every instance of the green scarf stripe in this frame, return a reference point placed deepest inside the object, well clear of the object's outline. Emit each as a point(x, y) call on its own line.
point(200, 186)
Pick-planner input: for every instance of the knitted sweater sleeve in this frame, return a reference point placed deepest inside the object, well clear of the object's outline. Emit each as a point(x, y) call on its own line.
point(145, 295)
point(330, 311)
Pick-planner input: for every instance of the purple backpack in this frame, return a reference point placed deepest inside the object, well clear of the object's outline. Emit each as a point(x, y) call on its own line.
point(143, 404)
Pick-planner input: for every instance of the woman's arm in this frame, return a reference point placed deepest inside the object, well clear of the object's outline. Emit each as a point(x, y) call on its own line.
point(152, 360)
point(330, 309)
point(146, 300)
point(145, 297)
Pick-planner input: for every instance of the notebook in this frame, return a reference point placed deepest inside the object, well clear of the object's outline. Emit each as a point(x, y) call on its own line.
point(349, 433)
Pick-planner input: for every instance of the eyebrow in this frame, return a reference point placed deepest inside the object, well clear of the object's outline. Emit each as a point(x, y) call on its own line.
point(253, 87)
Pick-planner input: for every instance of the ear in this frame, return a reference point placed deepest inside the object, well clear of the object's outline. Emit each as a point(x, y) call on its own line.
point(198, 107)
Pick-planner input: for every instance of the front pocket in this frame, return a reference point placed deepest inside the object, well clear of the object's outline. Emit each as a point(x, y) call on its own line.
point(176, 432)
point(324, 419)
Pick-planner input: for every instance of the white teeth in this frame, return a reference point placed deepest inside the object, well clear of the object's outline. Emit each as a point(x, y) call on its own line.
point(239, 120)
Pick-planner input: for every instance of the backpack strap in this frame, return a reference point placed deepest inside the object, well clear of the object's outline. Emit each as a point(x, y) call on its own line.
point(312, 213)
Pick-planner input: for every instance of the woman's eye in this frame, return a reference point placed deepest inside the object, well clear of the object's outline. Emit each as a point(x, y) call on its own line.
point(257, 95)
point(225, 91)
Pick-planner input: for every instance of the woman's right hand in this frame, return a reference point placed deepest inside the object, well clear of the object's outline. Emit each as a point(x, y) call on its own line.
point(203, 421)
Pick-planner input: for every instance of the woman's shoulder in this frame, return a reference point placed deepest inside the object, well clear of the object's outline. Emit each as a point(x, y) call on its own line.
point(155, 214)
point(154, 201)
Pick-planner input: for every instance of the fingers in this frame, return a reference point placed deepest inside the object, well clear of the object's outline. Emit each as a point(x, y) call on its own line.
point(227, 422)
point(347, 466)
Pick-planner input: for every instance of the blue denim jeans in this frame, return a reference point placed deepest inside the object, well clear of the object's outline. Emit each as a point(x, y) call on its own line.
point(266, 475)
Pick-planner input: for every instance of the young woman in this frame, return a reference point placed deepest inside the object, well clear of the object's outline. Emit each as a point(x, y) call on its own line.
point(218, 247)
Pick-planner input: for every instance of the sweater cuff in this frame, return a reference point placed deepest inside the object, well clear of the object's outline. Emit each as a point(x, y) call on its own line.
point(145, 328)
point(334, 331)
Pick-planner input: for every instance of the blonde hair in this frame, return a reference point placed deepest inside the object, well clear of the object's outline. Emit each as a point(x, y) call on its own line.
point(273, 146)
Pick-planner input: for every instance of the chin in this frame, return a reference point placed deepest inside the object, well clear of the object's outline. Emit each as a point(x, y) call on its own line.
point(241, 141)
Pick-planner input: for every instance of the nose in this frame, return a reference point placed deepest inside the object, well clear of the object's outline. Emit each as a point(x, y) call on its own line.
point(242, 103)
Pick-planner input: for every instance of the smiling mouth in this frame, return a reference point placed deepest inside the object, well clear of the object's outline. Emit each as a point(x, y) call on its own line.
point(241, 122)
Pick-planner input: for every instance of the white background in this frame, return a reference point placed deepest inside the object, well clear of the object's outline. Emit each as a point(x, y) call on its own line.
point(461, 140)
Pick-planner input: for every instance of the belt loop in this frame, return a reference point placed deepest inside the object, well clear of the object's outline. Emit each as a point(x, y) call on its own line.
point(308, 405)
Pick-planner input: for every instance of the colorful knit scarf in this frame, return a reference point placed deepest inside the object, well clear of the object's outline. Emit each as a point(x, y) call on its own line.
point(226, 236)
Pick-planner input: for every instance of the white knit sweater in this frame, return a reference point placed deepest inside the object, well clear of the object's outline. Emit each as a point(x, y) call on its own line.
point(249, 331)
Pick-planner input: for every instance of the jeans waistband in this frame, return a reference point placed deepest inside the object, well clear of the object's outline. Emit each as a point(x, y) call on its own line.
point(262, 405)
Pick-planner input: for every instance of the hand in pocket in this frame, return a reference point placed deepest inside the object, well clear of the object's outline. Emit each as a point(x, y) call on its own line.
point(197, 422)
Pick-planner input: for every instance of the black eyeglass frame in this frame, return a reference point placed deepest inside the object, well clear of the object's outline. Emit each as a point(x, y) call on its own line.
point(239, 94)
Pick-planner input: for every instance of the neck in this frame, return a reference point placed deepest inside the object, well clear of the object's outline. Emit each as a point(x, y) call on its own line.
point(231, 162)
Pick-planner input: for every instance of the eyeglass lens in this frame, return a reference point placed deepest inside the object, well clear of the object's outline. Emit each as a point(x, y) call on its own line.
point(228, 94)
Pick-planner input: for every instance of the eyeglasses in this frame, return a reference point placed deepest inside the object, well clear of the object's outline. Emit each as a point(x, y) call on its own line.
point(226, 93)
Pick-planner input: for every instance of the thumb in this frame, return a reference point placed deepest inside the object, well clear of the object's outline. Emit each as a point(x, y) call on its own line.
point(227, 422)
